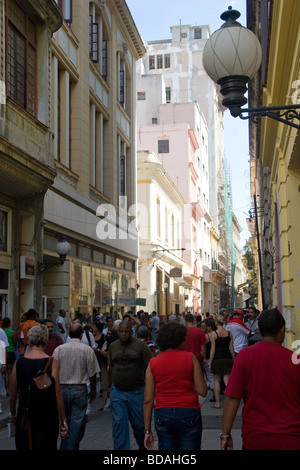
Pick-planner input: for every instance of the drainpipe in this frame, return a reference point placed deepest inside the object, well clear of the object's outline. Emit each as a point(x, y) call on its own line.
point(278, 260)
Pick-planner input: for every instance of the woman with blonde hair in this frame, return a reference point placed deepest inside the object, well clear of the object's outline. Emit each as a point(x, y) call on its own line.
point(221, 357)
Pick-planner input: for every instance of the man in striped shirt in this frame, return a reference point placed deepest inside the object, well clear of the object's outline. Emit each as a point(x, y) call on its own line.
point(78, 366)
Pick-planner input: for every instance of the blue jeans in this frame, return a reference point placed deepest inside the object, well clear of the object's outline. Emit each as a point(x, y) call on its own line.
point(178, 428)
point(125, 407)
point(75, 401)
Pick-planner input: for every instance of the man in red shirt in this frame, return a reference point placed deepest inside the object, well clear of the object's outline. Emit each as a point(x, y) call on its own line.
point(195, 339)
point(54, 339)
point(267, 377)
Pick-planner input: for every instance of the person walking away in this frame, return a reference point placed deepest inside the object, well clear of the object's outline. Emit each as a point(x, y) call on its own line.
point(239, 331)
point(78, 366)
point(195, 341)
point(208, 326)
point(221, 357)
point(252, 324)
point(266, 376)
point(127, 357)
point(143, 335)
point(174, 380)
point(39, 416)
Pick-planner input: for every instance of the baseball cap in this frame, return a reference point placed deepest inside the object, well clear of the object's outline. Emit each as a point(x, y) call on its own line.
point(238, 311)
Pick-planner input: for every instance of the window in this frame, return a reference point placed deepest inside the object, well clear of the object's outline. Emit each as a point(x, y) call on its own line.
point(167, 61)
point(122, 176)
point(3, 231)
point(94, 40)
point(122, 88)
point(166, 223)
point(151, 62)
point(158, 228)
point(66, 8)
point(168, 94)
point(21, 58)
point(62, 94)
point(141, 95)
point(154, 120)
point(198, 33)
point(104, 59)
point(163, 146)
point(159, 61)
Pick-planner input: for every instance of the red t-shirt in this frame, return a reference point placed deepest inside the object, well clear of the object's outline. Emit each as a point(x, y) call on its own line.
point(268, 380)
point(52, 343)
point(173, 374)
point(194, 340)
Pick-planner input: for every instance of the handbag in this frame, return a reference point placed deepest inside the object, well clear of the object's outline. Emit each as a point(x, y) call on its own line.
point(42, 379)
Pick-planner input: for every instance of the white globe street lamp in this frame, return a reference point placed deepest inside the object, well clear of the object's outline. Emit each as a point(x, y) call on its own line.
point(231, 57)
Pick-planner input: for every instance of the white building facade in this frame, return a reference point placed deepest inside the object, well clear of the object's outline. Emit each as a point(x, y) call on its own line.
point(160, 204)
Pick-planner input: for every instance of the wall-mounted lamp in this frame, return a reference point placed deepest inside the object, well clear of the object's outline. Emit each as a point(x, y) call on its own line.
point(231, 57)
point(63, 249)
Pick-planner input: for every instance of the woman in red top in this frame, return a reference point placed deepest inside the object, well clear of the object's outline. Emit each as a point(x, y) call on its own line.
point(173, 381)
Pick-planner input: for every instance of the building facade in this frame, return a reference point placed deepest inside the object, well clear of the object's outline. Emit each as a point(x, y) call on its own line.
point(180, 140)
point(26, 159)
point(92, 201)
point(68, 143)
point(171, 78)
point(274, 147)
point(161, 263)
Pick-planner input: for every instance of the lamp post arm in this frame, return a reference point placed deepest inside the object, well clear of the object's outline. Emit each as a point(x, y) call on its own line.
point(283, 114)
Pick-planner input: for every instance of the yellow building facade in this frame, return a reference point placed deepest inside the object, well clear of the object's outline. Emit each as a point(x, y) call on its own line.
point(277, 146)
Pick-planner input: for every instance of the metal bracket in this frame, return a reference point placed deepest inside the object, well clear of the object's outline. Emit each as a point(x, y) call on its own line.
point(284, 114)
point(44, 266)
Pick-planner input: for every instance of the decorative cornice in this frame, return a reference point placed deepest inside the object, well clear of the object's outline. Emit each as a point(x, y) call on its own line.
point(131, 27)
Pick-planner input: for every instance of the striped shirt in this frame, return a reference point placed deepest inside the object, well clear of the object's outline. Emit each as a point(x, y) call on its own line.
point(77, 362)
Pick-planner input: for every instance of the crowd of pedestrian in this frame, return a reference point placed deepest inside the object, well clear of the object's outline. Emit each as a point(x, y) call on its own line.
point(151, 370)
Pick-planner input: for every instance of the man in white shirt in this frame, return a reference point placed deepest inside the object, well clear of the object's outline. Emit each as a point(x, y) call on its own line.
point(60, 326)
point(78, 367)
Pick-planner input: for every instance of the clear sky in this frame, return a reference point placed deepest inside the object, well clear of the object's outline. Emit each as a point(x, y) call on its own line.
point(153, 20)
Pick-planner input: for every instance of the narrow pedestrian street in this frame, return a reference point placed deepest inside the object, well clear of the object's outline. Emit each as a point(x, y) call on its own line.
point(98, 429)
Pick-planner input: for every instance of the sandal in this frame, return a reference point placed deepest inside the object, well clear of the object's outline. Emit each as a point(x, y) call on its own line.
point(215, 406)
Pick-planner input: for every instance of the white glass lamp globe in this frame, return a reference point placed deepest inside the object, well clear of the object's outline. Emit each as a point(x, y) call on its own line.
point(231, 57)
point(232, 51)
point(63, 248)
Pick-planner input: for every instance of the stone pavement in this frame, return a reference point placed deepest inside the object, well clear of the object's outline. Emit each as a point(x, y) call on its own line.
point(98, 428)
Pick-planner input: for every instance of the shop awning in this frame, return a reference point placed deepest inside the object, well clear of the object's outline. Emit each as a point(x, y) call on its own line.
point(185, 284)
